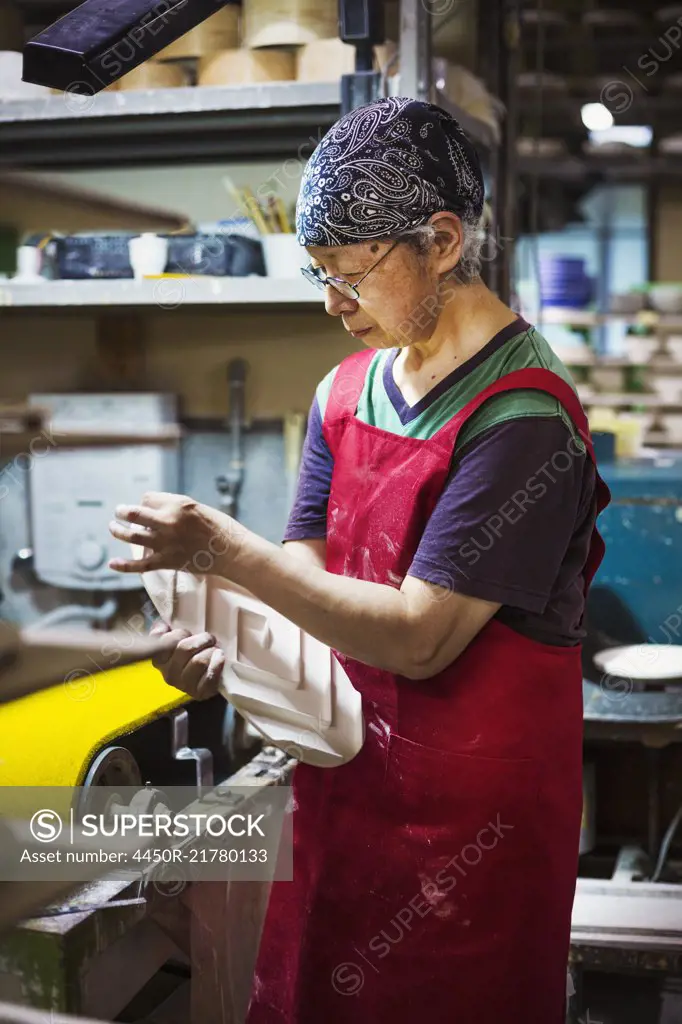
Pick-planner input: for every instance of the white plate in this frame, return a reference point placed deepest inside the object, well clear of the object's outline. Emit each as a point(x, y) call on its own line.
point(648, 662)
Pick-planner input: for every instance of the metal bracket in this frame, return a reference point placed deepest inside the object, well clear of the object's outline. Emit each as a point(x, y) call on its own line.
point(181, 751)
point(359, 88)
point(415, 49)
point(361, 23)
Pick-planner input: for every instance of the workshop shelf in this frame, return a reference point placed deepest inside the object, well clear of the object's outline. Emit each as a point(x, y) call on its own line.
point(269, 120)
point(166, 293)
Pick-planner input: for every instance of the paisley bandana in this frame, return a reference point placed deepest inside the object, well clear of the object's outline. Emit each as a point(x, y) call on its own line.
point(385, 167)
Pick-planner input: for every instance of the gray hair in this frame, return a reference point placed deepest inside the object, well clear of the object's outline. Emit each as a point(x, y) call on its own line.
point(469, 266)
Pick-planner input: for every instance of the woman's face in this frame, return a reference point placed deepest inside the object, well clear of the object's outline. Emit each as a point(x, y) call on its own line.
point(400, 299)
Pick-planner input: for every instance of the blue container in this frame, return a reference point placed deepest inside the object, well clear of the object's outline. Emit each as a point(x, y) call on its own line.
point(604, 442)
point(563, 281)
point(642, 529)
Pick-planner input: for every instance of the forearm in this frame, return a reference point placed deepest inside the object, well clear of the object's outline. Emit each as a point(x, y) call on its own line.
point(367, 621)
point(310, 552)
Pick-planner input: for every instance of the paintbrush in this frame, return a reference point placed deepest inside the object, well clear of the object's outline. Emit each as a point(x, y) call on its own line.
point(255, 212)
point(282, 215)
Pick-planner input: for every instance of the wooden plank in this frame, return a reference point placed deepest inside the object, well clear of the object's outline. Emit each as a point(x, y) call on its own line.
point(120, 339)
point(114, 977)
point(227, 920)
point(30, 203)
point(11, 1014)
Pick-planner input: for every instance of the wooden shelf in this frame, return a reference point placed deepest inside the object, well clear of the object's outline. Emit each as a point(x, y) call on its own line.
point(163, 293)
point(626, 399)
point(269, 120)
point(559, 316)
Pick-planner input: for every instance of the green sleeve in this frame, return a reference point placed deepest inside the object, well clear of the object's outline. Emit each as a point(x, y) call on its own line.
point(324, 388)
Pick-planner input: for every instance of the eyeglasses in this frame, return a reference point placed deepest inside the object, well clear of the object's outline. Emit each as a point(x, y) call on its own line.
point(348, 290)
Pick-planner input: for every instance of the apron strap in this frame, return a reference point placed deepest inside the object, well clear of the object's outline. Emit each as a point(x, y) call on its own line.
point(537, 379)
point(347, 386)
point(533, 379)
point(350, 378)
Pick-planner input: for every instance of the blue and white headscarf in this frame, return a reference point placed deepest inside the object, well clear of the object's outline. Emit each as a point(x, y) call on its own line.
point(385, 167)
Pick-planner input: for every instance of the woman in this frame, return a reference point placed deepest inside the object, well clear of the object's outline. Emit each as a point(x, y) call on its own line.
point(442, 542)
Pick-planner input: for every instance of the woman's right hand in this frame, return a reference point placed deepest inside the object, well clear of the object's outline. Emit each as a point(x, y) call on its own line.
point(194, 665)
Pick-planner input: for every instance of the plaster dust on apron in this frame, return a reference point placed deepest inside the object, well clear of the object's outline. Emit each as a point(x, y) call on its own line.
point(434, 873)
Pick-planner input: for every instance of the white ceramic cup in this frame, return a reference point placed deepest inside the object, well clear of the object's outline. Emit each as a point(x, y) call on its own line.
point(283, 256)
point(148, 255)
point(673, 346)
point(29, 260)
point(11, 85)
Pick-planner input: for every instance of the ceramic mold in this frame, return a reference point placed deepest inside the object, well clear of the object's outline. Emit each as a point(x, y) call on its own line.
point(283, 681)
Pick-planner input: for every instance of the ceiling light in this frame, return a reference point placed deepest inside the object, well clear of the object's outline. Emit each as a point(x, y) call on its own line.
point(596, 116)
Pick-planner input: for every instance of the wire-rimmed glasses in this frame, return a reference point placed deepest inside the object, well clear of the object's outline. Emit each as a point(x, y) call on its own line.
point(350, 291)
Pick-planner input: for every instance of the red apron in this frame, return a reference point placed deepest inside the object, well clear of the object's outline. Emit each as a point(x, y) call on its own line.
point(435, 872)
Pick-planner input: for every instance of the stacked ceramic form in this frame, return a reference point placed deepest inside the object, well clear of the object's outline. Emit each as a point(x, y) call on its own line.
point(259, 41)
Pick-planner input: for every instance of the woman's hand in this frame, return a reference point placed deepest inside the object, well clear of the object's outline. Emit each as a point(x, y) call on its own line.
point(194, 665)
point(178, 533)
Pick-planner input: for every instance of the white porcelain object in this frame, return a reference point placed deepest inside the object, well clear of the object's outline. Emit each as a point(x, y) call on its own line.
point(283, 256)
point(672, 422)
point(607, 378)
point(11, 85)
point(666, 298)
point(148, 254)
point(640, 351)
point(546, 148)
point(668, 389)
point(29, 260)
point(673, 346)
point(533, 80)
point(671, 143)
point(642, 661)
point(284, 682)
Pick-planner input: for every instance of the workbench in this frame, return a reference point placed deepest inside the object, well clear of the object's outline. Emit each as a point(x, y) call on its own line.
point(622, 925)
point(93, 962)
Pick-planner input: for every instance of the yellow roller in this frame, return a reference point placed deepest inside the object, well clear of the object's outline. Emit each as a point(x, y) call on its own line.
point(50, 738)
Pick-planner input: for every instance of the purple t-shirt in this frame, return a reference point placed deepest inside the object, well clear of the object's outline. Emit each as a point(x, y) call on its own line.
point(508, 526)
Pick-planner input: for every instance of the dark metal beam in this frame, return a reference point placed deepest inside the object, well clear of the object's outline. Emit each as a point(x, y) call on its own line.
point(498, 38)
point(507, 183)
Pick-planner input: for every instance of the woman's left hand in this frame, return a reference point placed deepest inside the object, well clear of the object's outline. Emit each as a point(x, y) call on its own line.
point(178, 533)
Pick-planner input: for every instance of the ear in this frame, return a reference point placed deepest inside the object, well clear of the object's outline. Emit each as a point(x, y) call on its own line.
point(448, 241)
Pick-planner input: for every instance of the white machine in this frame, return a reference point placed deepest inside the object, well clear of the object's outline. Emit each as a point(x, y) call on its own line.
point(284, 682)
point(73, 493)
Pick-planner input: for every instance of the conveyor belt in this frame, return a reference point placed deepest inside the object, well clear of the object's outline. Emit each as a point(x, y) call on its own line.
point(50, 738)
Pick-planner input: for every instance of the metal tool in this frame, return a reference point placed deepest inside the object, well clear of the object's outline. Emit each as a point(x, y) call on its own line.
point(230, 484)
point(294, 432)
point(183, 752)
point(97, 43)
